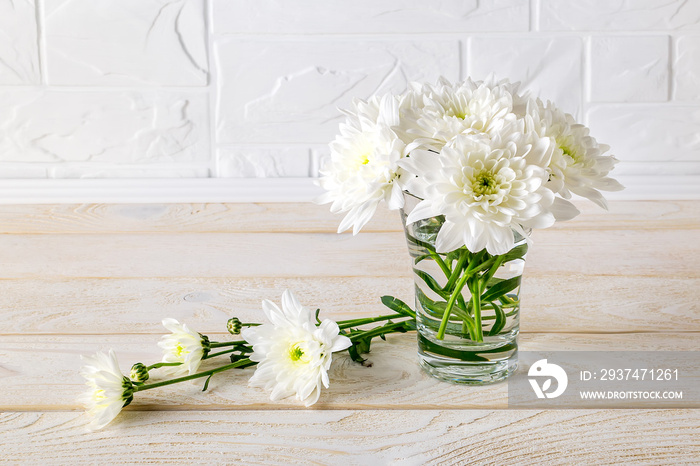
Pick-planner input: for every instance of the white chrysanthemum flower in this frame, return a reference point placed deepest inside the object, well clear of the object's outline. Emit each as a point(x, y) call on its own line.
point(448, 110)
point(109, 390)
point(183, 346)
point(362, 170)
point(577, 165)
point(484, 192)
point(293, 354)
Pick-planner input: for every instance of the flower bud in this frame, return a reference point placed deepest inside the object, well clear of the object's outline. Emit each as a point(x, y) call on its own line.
point(206, 345)
point(139, 372)
point(128, 387)
point(234, 326)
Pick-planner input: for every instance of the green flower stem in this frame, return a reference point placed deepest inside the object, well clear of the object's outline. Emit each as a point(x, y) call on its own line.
point(436, 257)
point(383, 330)
point(475, 265)
point(476, 305)
point(450, 304)
point(461, 302)
point(498, 260)
point(162, 364)
point(343, 324)
point(465, 329)
point(473, 268)
point(242, 362)
point(452, 278)
point(221, 344)
point(232, 350)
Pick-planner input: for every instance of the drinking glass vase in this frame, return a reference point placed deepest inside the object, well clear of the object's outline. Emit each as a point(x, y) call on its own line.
point(467, 305)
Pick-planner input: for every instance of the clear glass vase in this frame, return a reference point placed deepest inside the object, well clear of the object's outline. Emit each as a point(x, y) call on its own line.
point(467, 305)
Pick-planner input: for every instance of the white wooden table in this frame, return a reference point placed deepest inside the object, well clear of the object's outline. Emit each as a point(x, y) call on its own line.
point(81, 278)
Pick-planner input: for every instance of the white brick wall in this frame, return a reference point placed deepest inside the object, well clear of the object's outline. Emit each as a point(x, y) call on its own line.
point(193, 89)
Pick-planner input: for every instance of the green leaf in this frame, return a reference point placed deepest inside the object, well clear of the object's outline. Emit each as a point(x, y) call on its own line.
point(417, 242)
point(454, 255)
point(206, 383)
point(500, 289)
point(498, 261)
point(475, 356)
point(409, 325)
point(364, 345)
point(398, 306)
point(493, 281)
point(355, 355)
point(437, 309)
point(515, 253)
point(431, 282)
point(500, 320)
point(432, 308)
point(420, 258)
point(398, 329)
point(359, 347)
point(318, 321)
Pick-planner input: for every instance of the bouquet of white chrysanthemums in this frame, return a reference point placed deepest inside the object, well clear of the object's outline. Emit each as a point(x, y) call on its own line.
point(488, 158)
point(485, 164)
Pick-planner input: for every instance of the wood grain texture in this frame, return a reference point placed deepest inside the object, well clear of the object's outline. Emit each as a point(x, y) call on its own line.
point(41, 373)
point(453, 437)
point(79, 306)
point(76, 279)
point(667, 253)
point(267, 217)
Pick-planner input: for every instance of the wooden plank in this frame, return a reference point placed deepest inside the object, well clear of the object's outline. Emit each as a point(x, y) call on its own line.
point(184, 218)
point(295, 217)
point(41, 373)
point(637, 215)
point(667, 253)
point(551, 303)
point(364, 437)
point(202, 255)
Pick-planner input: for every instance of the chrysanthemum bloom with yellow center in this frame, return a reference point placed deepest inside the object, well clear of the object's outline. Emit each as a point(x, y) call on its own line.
point(362, 170)
point(449, 110)
point(183, 346)
point(293, 353)
point(484, 191)
point(109, 390)
point(577, 165)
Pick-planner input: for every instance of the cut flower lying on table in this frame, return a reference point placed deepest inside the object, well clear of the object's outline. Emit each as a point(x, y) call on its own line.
point(292, 353)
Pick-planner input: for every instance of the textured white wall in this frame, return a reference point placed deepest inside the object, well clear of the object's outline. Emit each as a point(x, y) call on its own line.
point(250, 88)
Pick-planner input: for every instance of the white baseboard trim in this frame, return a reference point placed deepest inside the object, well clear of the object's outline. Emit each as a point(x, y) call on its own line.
point(178, 190)
point(157, 190)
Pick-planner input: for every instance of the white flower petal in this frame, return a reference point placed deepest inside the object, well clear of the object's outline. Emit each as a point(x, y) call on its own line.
point(108, 390)
point(395, 201)
point(591, 194)
point(449, 238)
point(563, 210)
point(362, 169)
point(273, 313)
point(293, 308)
point(293, 353)
point(424, 209)
point(577, 164)
point(484, 190)
point(183, 346)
